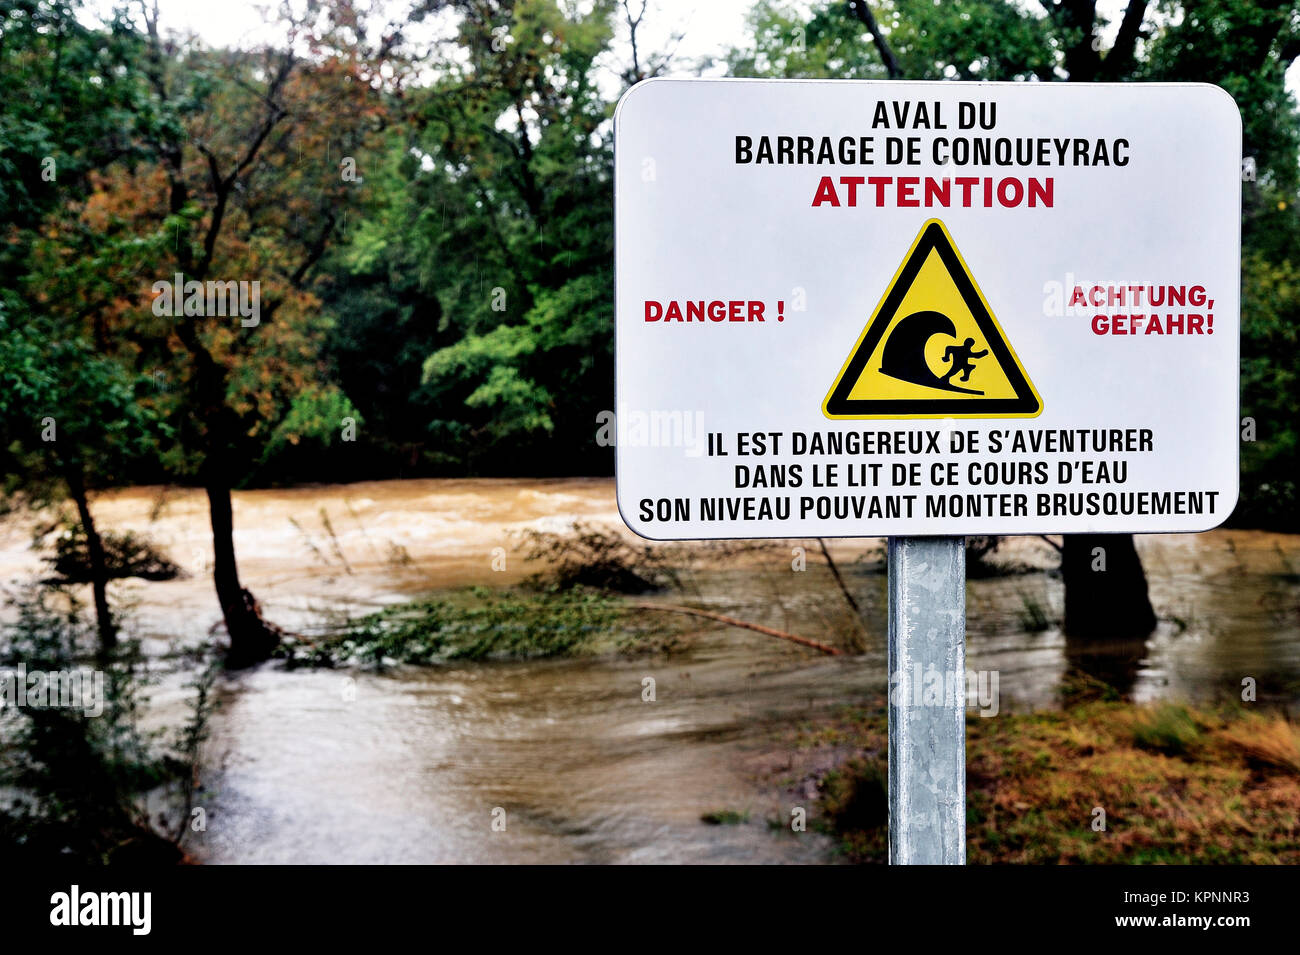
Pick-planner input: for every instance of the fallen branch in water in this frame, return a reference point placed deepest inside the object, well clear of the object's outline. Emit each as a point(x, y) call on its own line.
point(733, 622)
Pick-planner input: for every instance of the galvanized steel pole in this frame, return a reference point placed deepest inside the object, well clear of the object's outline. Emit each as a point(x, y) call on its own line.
point(927, 718)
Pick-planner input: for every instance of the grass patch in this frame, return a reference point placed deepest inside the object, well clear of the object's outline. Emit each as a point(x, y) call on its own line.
point(1269, 740)
point(1179, 785)
point(1167, 728)
point(855, 803)
point(1033, 616)
point(726, 817)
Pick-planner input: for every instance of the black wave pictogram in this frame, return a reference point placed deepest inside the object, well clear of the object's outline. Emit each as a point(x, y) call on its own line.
point(903, 356)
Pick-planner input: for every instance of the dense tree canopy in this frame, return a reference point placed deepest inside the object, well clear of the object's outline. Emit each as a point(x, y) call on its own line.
point(484, 273)
point(430, 229)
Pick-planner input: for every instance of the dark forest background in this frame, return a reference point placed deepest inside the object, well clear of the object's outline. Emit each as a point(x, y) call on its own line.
point(432, 226)
point(430, 222)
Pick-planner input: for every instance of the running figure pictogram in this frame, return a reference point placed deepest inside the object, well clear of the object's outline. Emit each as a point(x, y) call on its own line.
point(961, 356)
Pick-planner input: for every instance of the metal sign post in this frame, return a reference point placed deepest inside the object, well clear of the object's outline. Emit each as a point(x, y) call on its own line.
point(927, 736)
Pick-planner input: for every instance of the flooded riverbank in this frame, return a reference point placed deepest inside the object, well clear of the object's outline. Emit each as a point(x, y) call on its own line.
point(569, 755)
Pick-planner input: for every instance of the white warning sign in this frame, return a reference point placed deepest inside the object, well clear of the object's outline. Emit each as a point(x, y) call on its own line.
point(883, 308)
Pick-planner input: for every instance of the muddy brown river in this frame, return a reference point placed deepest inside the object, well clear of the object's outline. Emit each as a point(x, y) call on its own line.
point(417, 765)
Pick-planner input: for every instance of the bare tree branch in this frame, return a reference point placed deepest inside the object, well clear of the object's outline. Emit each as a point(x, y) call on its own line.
point(733, 622)
point(654, 65)
point(1120, 57)
point(835, 572)
point(633, 22)
point(863, 13)
point(1057, 547)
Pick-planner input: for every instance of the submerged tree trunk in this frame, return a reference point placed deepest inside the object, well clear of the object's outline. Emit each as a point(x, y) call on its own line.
point(1105, 588)
point(252, 639)
point(95, 558)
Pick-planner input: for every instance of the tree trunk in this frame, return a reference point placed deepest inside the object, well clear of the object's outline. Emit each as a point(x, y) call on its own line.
point(252, 639)
point(1105, 588)
point(95, 557)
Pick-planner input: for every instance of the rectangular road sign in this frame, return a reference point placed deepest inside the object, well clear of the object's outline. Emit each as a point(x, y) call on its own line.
point(858, 308)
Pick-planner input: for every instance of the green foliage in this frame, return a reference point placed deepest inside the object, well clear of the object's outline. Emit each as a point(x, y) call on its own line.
point(475, 624)
point(1033, 616)
point(1270, 392)
point(1179, 786)
point(65, 405)
point(81, 108)
point(72, 107)
point(315, 436)
point(784, 43)
point(956, 39)
point(495, 234)
point(385, 327)
point(312, 414)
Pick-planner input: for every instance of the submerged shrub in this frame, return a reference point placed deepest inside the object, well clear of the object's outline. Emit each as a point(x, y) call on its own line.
point(591, 556)
point(474, 624)
point(76, 778)
point(125, 555)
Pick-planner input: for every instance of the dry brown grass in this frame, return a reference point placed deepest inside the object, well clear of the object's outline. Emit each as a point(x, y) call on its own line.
point(1178, 785)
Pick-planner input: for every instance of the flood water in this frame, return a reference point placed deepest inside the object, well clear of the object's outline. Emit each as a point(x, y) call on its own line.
point(415, 765)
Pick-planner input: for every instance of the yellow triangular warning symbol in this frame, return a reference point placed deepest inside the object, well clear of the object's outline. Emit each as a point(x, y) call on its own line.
point(933, 348)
